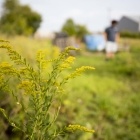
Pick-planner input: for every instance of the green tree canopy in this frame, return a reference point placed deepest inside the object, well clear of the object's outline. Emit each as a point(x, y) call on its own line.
point(73, 29)
point(18, 19)
point(69, 27)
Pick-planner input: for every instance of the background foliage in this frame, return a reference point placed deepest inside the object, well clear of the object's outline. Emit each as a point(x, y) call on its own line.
point(126, 34)
point(73, 29)
point(18, 19)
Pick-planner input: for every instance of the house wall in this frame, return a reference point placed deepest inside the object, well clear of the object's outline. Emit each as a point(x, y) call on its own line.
point(126, 24)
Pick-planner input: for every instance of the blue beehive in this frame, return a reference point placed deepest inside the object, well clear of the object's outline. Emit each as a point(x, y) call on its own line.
point(95, 42)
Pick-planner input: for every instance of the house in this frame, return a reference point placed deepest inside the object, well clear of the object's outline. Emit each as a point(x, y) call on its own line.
point(129, 24)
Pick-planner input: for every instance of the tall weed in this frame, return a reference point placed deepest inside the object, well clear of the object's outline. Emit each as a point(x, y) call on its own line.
point(37, 92)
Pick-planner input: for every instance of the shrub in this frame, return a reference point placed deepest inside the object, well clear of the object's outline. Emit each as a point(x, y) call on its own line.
point(129, 35)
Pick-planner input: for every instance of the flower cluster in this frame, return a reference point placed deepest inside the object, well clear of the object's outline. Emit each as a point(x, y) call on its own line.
point(40, 58)
point(72, 128)
point(27, 86)
point(14, 56)
point(40, 55)
point(67, 63)
point(70, 48)
point(1, 82)
point(5, 46)
point(79, 71)
point(7, 68)
point(67, 51)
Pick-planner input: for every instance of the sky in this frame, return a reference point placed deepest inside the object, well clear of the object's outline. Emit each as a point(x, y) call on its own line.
point(94, 14)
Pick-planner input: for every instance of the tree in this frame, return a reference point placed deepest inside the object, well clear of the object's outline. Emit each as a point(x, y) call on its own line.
point(73, 29)
point(69, 27)
point(18, 19)
point(9, 5)
point(81, 31)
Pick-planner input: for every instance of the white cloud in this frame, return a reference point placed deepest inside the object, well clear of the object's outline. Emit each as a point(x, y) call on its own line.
point(74, 13)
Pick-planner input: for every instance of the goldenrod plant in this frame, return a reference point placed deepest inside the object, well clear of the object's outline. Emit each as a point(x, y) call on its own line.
point(36, 90)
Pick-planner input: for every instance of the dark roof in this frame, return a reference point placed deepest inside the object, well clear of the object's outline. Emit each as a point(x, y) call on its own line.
point(134, 18)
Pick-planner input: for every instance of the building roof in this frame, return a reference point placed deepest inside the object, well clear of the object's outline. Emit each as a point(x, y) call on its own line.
point(130, 26)
point(134, 18)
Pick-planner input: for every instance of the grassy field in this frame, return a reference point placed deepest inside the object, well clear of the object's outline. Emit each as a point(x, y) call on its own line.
point(106, 99)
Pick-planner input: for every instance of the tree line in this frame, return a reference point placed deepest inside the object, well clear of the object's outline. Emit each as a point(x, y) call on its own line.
point(18, 19)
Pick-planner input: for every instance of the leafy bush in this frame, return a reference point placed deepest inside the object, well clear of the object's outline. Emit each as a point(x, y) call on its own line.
point(73, 29)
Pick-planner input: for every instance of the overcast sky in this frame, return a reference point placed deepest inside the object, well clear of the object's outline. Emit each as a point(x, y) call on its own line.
point(95, 14)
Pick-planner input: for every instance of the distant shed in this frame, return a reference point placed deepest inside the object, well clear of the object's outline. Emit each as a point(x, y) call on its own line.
point(62, 40)
point(129, 24)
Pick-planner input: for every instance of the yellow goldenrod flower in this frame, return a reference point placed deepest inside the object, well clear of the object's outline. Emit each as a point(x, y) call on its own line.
point(27, 86)
point(79, 71)
point(40, 55)
point(7, 68)
point(72, 128)
point(67, 63)
point(71, 48)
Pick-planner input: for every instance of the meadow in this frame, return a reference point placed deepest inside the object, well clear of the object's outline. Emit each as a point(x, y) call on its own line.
point(105, 99)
